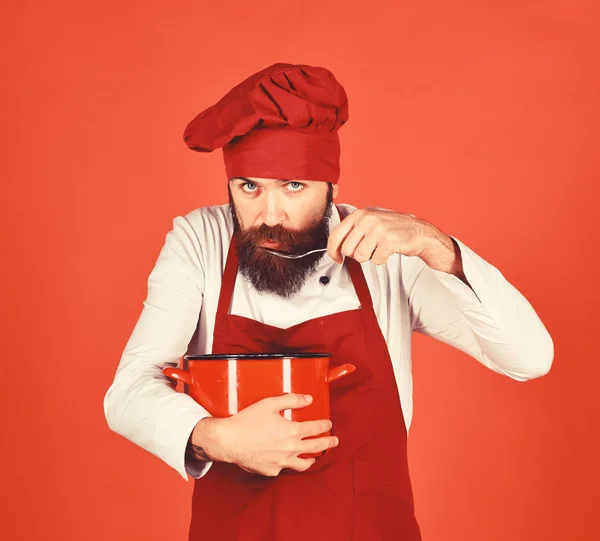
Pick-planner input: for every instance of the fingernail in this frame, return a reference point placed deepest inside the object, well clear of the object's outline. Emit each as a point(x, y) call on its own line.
point(308, 398)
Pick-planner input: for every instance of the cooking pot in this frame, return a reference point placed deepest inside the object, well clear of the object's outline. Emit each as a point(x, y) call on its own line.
point(225, 384)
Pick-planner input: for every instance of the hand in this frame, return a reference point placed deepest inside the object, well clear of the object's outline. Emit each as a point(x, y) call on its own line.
point(372, 234)
point(260, 440)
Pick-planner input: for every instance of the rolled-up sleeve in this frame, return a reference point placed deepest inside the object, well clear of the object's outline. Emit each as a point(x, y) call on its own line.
point(491, 321)
point(141, 404)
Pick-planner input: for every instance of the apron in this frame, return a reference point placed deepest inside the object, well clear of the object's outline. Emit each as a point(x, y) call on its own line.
point(360, 490)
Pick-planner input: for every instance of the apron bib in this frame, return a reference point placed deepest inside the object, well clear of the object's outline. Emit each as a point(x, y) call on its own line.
point(360, 490)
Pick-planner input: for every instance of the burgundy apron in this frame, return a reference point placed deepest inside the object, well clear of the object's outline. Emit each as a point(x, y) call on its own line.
point(358, 491)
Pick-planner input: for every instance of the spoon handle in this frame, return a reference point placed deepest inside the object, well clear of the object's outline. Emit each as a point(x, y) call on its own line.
point(293, 256)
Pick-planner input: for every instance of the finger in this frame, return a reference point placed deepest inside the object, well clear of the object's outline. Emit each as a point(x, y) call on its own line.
point(366, 248)
point(306, 429)
point(352, 240)
point(381, 255)
point(337, 236)
point(301, 464)
point(288, 401)
point(317, 445)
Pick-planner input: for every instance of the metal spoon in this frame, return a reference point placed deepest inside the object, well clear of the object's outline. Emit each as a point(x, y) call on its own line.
point(292, 256)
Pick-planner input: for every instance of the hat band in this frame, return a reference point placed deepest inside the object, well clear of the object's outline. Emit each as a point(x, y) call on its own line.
point(284, 154)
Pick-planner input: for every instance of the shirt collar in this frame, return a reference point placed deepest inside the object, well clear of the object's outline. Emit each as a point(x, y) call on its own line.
point(334, 219)
point(326, 262)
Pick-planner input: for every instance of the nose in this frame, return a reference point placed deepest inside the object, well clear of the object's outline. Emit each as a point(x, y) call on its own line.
point(273, 213)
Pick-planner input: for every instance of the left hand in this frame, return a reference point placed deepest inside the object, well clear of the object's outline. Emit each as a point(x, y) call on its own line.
point(372, 234)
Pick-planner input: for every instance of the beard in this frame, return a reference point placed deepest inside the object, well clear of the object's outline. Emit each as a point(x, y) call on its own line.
point(269, 273)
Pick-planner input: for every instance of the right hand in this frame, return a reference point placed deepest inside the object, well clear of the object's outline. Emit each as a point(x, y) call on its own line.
point(260, 440)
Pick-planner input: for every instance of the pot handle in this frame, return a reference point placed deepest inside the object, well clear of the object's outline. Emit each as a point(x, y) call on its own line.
point(178, 374)
point(339, 372)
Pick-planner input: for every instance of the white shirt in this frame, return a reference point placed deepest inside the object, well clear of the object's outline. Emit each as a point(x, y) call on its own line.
point(493, 323)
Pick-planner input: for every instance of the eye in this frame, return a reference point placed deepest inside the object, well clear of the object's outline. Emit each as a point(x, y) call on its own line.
point(249, 187)
point(294, 186)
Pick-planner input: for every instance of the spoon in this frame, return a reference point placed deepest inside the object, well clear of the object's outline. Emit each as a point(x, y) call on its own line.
point(292, 256)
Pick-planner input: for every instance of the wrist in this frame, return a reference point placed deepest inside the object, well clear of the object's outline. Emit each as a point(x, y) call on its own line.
point(439, 251)
point(207, 441)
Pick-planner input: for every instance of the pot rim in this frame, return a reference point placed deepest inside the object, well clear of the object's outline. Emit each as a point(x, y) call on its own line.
point(249, 356)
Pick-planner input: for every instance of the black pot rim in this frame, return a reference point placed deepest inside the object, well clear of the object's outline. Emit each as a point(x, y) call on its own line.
point(246, 356)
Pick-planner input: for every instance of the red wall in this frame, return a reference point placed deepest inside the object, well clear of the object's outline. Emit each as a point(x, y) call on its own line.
point(480, 117)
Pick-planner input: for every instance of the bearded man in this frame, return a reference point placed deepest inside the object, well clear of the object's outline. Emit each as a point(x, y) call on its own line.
point(221, 286)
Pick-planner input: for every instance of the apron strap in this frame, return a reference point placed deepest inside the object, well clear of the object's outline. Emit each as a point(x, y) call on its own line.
point(228, 281)
point(359, 282)
point(231, 267)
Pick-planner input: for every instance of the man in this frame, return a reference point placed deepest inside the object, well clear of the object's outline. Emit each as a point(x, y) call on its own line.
point(217, 289)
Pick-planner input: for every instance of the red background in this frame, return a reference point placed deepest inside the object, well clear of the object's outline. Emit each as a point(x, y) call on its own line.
point(480, 117)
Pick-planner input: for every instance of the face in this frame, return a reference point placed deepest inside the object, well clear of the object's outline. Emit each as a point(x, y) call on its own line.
point(288, 216)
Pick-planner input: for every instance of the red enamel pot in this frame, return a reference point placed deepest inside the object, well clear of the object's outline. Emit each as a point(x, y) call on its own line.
point(225, 384)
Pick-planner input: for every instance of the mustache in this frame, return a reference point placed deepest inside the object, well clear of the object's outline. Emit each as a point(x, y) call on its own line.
point(277, 233)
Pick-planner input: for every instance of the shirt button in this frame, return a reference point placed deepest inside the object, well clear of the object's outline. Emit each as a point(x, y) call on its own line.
point(324, 280)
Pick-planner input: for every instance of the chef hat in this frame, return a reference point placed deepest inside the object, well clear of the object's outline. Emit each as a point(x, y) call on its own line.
point(281, 122)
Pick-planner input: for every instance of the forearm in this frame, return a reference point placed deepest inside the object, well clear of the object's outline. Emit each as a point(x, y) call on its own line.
point(142, 407)
point(140, 404)
point(483, 307)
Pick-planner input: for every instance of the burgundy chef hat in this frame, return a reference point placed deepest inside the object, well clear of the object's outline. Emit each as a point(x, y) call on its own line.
point(281, 122)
